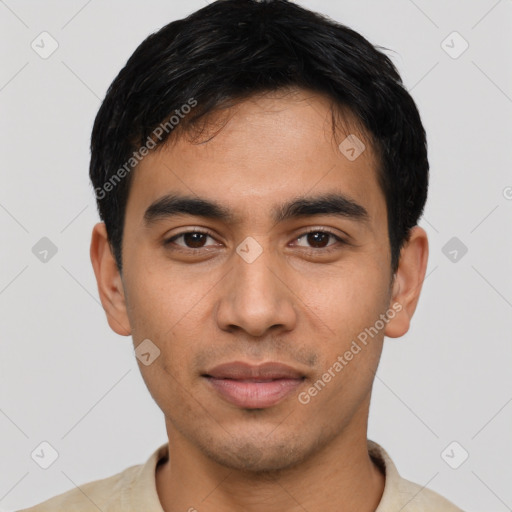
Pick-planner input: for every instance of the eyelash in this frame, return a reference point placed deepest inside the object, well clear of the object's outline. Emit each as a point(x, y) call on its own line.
point(328, 248)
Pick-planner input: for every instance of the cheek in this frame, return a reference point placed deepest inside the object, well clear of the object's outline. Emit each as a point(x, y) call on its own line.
point(161, 298)
point(168, 386)
point(346, 298)
point(350, 306)
point(166, 306)
point(171, 324)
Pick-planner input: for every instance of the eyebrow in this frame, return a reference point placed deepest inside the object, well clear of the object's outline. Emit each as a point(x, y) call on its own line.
point(330, 204)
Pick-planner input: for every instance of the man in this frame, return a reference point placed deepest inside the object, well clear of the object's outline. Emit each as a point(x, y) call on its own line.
point(260, 171)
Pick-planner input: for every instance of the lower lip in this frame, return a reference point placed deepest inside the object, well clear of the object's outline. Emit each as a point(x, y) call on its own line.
point(254, 395)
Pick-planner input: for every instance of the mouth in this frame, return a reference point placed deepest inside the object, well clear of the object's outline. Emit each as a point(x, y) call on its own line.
point(252, 393)
point(254, 387)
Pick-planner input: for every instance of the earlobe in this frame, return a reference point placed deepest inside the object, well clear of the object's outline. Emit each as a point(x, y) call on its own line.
point(407, 282)
point(108, 279)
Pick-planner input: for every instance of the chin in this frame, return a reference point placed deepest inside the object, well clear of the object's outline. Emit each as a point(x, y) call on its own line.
point(261, 456)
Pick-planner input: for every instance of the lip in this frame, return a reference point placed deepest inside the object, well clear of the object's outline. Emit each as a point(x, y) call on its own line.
point(254, 386)
point(239, 370)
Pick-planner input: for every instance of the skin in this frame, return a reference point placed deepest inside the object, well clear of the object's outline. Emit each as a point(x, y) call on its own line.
point(301, 302)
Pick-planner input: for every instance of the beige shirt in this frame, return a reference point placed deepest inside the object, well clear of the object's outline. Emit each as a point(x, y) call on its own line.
point(134, 490)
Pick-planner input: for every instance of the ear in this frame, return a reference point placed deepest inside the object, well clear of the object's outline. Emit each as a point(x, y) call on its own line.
point(110, 285)
point(407, 282)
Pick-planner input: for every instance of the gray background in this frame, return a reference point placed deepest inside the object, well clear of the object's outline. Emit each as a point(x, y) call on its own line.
point(65, 378)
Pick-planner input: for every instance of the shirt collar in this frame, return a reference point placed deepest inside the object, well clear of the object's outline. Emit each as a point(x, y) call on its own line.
point(142, 493)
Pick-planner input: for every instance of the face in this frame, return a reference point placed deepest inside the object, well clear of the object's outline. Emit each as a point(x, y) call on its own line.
point(262, 244)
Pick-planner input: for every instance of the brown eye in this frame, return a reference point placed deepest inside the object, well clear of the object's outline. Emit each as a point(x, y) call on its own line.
point(190, 240)
point(318, 239)
point(194, 240)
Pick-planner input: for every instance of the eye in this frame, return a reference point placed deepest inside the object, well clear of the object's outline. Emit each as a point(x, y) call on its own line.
point(318, 239)
point(191, 240)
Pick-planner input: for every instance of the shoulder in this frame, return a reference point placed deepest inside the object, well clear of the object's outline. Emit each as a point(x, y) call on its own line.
point(416, 498)
point(131, 490)
point(404, 495)
point(105, 495)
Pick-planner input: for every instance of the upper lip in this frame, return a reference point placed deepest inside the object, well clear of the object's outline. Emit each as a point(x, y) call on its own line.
point(239, 370)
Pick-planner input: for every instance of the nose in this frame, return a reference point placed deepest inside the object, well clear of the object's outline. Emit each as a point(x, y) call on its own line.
point(256, 298)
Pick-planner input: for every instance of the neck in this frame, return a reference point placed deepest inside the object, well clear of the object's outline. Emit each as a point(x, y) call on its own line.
point(341, 477)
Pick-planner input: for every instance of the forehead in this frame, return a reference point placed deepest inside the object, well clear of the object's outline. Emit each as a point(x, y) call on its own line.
point(261, 151)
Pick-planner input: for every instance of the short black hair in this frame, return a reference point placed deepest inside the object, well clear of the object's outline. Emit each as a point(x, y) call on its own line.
point(233, 49)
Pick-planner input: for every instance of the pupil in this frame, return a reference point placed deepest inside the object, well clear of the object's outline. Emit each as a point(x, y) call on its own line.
point(194, 240)
point(317, 239)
